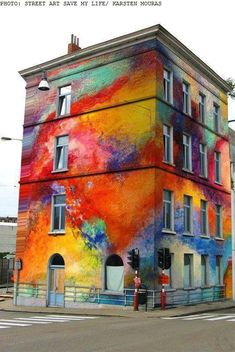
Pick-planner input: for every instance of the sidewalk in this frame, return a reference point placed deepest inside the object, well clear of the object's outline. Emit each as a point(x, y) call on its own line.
point(6, 304)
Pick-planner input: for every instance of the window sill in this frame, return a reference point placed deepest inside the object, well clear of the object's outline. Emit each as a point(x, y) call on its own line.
point(204, 287)
point(218, 183)
point(65, 115)
point(205, 236)
point(59, 170)
point(56, 233)
point(170, 232)
point(187, 234)
point(187, 170)
point(204, 177)
point(189, 288)
point(219, 238)
point(168, 163)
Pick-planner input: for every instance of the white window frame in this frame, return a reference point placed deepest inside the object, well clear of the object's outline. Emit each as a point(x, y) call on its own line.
point(204, 270)
point(217, 158)
point(168, 144)
point(186, 98)
point(190, 273)
point(218, 270)
point(188, 214)
point(202, 108)
point(218, 221)
point(187, 152)
point(204, 217)
point(61, 207)
point(216, 117)
point(168, 85)
point(61, 153)
point(203, 160)
point(168, 204)
point(64, 99)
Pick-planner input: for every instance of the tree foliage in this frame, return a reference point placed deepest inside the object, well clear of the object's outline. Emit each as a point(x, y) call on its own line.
point(231, 83)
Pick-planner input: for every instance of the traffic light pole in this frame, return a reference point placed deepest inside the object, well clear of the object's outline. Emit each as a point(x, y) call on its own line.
point(163, 294)
point(137, 282)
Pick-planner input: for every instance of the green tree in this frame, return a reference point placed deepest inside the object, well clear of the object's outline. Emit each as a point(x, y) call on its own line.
point(231, 84)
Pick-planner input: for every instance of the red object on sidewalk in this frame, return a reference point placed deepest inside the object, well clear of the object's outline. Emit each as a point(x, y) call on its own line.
point(163, 298)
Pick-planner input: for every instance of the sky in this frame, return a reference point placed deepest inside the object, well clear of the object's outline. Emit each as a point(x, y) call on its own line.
point(30, 35)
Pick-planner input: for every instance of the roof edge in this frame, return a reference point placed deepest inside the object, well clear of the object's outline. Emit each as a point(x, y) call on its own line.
point(157, 31)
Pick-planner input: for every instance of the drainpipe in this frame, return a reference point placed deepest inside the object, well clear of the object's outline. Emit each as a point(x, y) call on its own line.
point(233, 227)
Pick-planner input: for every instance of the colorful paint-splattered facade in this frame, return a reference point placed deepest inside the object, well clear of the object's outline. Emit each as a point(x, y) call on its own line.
point(116, 174)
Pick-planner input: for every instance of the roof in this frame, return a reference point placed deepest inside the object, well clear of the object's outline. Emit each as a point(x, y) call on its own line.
point(154, 32)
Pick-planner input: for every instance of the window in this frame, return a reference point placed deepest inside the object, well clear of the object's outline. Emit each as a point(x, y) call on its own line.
point(168, 143)
point(187, 152)
point(61, 153)
point(204, 270)
point(218, 221)
point(216, 118)
point(203, 160)
point(202, 100)
point(58, 216)
point(217, 156)
point(186, 98)
point(167, 210)
point(114, 273)
point(64, 100)
point(218, 272)
point(187, 214)
point(167, 85)
point(204, 218)
point(188, 273)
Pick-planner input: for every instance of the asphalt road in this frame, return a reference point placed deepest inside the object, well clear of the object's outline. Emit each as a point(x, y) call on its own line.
point(111, 334)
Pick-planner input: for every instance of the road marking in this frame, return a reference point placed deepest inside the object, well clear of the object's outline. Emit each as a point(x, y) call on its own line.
point(42, 318)
point(183, 316)
point(200, 317)
point(4, 327)
point(71, 317)
point(33, 320)
point(221, 317)
point(12, 323)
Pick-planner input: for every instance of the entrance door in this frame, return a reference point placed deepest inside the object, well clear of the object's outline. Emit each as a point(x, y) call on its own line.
point(56, 281)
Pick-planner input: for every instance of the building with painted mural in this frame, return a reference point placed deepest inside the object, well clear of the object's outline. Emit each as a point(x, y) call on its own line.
point(127, 149)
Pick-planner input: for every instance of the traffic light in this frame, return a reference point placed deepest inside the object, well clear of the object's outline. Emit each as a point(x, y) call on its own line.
point(164, 258)
point(134, 258)
point(167, 259)
point(160, 253)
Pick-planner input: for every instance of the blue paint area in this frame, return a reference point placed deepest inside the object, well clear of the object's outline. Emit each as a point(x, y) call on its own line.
point(94, 234)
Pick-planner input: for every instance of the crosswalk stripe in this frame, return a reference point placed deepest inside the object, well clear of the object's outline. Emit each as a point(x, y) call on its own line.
point(50, 319)
point(72, 317)
point(32, 320)
point(4, 327)
point(182, 317)
point(200, 317)
point(221, 317)
point(13, 324)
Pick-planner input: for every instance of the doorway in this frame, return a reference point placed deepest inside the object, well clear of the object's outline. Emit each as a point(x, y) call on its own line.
point(56, 281)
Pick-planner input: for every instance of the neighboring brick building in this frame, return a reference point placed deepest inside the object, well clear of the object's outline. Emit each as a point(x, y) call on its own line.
point(128, 149)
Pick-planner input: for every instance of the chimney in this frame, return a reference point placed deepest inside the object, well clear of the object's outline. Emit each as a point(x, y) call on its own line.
point(74, 45)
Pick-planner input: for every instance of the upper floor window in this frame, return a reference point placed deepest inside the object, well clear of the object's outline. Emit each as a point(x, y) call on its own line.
point(202, 100)
point(61, 153)
point(186, 98)
point(187, 152)
point(204, 218)
point(64, 100)
point(218, 221)
point(187, 214)
point(217, 156)
point(58, 213)
point(203, 160)
point(216, 116)
point(168, 210)
point(168, 143)
point(167, 85)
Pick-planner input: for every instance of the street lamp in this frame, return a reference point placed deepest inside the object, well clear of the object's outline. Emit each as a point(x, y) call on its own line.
point(10, 139)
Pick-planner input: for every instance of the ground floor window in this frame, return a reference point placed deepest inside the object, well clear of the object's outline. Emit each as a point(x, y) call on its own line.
point(188, 270)
point(114, 273)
